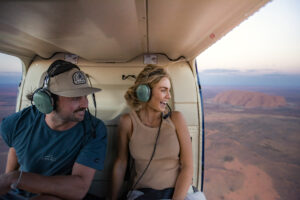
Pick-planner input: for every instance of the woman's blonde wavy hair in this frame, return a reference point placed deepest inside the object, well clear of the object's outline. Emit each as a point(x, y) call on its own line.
point(150, 76)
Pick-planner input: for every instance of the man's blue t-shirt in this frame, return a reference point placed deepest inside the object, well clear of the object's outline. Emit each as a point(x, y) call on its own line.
point(48, 152)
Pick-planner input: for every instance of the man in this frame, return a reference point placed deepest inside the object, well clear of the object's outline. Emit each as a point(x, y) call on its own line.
point(57, 146)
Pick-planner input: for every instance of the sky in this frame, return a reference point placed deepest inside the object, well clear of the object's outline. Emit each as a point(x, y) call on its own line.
point(9, 63)
point(262, 50)
point(267, 42)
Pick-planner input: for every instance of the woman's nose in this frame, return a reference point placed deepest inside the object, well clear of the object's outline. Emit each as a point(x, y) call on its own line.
point(169, 95)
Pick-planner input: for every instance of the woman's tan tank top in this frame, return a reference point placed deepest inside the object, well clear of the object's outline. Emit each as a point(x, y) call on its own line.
point(164, 168)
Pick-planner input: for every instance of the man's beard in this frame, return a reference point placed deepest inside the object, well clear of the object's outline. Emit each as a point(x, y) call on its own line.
point(72, 117)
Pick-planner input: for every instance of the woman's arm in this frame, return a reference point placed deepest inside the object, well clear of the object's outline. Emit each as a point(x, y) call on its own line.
point(184, 179)
point(124, 130)
point(12, 161)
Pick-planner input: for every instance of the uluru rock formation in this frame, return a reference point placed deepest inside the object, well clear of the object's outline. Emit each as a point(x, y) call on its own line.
point(249, 99)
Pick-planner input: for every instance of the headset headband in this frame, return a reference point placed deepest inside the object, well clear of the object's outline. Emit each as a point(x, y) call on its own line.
point(60, 66)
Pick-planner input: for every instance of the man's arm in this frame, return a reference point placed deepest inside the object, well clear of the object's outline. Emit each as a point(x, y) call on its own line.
point(74, 186)
point(12, 161)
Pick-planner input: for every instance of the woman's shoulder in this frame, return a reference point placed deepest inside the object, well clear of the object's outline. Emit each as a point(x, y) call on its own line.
point(178, 119)
point(125, 118)
point(176, 115)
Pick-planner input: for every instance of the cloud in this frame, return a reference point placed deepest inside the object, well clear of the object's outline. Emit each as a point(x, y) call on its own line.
point(217, 71)
point(245, 72)
point(10, 74)
point(261, 71)
point(250, 79)
point(10, 78)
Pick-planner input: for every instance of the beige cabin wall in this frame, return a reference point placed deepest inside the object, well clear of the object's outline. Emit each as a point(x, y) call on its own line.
point(185, 99)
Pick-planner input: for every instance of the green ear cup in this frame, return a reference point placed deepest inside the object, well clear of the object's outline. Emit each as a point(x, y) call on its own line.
point(143, 92)
point(43, 101)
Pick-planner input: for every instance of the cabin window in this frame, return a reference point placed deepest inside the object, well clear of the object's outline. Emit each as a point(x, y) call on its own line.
point(10, 79)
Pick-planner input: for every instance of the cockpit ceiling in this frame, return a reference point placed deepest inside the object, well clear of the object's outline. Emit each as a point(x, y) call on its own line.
point(118, 30)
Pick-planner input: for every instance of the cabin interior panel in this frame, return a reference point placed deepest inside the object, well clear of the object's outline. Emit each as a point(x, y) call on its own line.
point(120, 30)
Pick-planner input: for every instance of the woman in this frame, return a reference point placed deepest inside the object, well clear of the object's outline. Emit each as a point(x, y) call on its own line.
point(159, 143)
